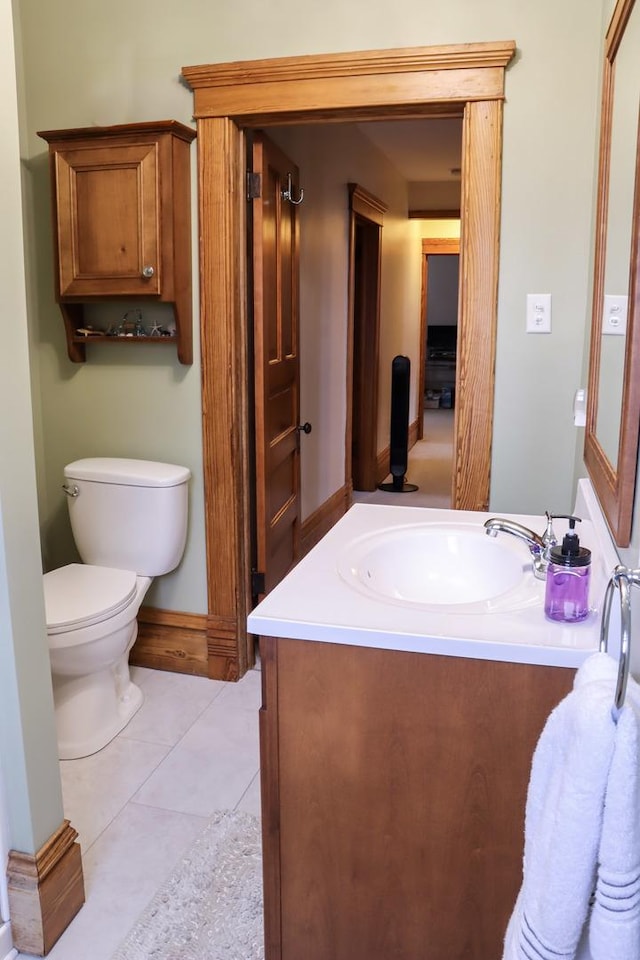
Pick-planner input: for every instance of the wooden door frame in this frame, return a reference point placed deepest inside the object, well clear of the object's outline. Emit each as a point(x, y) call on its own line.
point(460, 80)
point(431, 246)
point(366, 207)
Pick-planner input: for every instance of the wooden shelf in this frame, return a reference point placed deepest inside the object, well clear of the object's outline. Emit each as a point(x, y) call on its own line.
point(122, 224)
point(100, 338)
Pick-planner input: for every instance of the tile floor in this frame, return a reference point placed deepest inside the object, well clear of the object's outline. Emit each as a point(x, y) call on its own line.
point(191, 749)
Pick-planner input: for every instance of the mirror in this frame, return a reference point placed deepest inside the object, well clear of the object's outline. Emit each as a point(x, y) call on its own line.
point(613, 401)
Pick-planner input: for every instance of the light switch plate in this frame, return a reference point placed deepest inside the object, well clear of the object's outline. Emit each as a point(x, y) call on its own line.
point(538, 313)
point(614, 320)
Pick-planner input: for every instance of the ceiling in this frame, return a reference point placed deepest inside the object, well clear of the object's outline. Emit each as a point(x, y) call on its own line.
point(421, 150)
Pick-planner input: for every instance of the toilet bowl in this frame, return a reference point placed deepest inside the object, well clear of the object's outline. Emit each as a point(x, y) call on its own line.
point(129, 519)
point(91, 626)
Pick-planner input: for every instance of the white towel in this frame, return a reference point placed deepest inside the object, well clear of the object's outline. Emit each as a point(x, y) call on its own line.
point(563, 820)
point(614, 924)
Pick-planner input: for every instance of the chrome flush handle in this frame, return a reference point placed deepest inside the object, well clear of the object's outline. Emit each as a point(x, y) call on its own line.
point(71, 491)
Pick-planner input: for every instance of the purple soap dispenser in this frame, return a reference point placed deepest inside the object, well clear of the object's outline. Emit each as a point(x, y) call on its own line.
point(568, 575)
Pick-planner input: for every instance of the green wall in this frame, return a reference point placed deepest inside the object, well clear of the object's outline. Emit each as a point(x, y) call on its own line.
point(90, 63)
point(28, 753)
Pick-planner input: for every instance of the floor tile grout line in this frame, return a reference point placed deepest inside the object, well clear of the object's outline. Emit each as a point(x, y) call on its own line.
point(250, 784)
point(123, 735)
point(84, 850)
point(167, 755)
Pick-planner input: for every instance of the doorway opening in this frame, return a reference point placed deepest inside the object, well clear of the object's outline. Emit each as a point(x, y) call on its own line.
point(465, 80)
point(439, 362)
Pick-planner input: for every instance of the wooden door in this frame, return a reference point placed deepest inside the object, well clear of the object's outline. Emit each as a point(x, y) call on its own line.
point(108, 220)
point(366, 213)
point(366, 339)
point(275, 327)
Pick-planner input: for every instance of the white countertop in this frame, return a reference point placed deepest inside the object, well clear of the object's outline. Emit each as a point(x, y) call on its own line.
point(315, 601)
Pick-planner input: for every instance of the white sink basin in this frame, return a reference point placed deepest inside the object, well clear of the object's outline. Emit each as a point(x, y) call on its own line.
point(439, 566)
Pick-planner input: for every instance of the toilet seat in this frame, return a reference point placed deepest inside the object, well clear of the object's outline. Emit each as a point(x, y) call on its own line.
point(79, 595)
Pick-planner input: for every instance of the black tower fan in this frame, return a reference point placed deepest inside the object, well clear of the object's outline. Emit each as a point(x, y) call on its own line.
point(399, 432)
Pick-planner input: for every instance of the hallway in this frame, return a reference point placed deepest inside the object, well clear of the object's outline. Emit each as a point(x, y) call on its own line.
point(430, 466)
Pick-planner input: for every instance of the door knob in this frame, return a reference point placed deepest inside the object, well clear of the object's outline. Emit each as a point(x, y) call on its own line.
point(304, 427)
point(147, 272)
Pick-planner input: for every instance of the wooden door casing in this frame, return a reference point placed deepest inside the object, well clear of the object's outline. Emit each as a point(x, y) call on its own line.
point(462, 80)
point(276, 364)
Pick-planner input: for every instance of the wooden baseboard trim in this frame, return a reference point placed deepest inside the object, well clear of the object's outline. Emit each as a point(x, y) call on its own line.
point(382, 465)
point(203, 645)
point(171, 640)
point(223, 647)
point(46, 890)
point(321, 520)
point(382, 460)
point(206, 645)
point(413, 433)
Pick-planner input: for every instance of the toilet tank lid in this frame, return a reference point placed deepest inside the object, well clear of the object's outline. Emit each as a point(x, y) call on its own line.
point(135, 473)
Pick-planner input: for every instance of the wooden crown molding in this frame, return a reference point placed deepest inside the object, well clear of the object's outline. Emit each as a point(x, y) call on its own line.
point(395, 82)
point(366, 62)
point(125, 130)
point(366, 204)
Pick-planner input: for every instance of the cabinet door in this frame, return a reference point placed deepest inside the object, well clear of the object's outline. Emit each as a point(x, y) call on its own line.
point(108, 220)
point(393, 790)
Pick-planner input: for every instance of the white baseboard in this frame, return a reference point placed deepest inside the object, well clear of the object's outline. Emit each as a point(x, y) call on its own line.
point(7, 950)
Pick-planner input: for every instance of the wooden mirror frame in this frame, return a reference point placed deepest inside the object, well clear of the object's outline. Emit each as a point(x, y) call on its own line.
point(615, 484)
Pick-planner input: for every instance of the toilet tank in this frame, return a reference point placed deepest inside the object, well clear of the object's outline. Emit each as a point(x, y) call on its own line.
point(129, 514)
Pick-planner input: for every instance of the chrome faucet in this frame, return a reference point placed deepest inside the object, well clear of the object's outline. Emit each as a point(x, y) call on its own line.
point(539, 546)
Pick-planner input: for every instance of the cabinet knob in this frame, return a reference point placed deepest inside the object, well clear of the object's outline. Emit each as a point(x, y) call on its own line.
point(147, 272)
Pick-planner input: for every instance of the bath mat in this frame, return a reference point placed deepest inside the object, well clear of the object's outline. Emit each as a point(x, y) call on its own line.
point(210, 908)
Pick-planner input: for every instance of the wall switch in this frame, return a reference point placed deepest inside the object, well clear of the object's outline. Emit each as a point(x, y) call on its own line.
point(614, 320)
point(538, 313)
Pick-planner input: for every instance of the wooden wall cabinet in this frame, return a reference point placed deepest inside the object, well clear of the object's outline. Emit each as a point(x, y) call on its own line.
point(122, 223)
point(393, 799)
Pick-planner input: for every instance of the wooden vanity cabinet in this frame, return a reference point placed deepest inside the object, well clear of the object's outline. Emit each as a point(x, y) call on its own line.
point(122, 223)
point(393, 798)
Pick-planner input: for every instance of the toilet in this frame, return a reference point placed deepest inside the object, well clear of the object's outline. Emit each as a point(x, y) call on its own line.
point(129, 523)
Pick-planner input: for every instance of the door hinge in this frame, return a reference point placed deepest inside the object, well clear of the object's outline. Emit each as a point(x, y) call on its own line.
point(257, 583)
point(254, 185)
